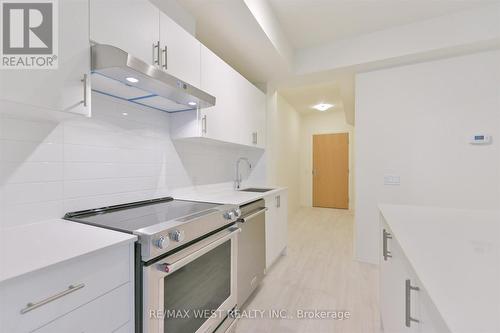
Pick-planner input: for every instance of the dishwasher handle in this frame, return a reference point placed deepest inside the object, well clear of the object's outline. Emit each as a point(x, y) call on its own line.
point(253, 214)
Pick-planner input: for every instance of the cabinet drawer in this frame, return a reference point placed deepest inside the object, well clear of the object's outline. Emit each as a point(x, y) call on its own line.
point(91, 276)
point(108, 313)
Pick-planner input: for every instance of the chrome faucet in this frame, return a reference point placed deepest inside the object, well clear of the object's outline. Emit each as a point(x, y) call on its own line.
point(237, 181)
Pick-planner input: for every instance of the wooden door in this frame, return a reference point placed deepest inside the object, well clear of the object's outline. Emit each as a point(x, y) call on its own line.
point(331, 170)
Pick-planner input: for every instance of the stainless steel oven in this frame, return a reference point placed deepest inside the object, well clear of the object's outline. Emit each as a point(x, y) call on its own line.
point(185, 261)
point(194, 289)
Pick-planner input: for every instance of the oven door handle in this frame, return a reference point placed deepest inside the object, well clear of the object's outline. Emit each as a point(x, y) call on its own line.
point(168, 268)
point(250, 216)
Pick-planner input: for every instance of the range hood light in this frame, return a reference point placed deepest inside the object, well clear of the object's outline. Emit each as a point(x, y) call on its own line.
point(192, 103)
point(131, 79)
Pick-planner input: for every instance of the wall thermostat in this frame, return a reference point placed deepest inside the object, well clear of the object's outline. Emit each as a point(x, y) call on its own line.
point(480, 139)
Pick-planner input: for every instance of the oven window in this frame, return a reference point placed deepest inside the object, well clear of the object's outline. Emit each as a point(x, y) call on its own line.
point(203, 284)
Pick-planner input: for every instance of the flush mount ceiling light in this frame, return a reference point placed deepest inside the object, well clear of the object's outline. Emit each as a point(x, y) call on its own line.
point(131, 79)
point(192, 103)
point(322, 106)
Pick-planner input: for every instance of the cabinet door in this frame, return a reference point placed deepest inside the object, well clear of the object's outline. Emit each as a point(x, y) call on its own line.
point(271, 230)
point(107, 313)
point(393, 276)
point(430, 318)
point(60, 89)
point(276, 226)
point(180, 51)
point(132, 25)
point(253, 111)
point(282, 220)
point(221, 121)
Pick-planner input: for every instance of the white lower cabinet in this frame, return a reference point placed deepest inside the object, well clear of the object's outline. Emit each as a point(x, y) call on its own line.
point(276, 226)
point(91, 293)
point(405, 306)
point(107, 313)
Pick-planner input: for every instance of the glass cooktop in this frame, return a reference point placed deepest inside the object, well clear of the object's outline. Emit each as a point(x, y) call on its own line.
point(134, 216)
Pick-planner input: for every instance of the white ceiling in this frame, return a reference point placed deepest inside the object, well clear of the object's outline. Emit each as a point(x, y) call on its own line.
point(232, 30)
point(314, 22)
point(303, 97)
point(229, 29)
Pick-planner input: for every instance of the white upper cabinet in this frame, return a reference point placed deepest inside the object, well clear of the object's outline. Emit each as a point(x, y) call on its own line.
point(180, 51)
point(253, 112)
point(132, 25)
point(219, 122)
point(239, 112)
point(65, 88)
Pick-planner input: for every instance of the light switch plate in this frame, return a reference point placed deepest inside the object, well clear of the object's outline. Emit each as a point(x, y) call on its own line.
point(392, 180)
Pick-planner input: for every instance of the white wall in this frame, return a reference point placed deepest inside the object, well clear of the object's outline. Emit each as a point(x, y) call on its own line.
point(283, 142)
point(414, 121)
point(50, 166)
point(469, 30)
point(322, 123)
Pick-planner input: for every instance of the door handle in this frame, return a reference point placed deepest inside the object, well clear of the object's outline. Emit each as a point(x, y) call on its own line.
point(32, 306)
point(204, 124)
point(409, 288)
point(84, 82)
point(252, 215)
point(156, 53)
point(165, 59)
point(167, 268)
point(385, 252)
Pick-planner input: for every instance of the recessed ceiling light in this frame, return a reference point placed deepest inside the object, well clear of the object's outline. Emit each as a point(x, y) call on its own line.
point(131, 79)
point(192, 103)
point(322, 106)
point(125, 113)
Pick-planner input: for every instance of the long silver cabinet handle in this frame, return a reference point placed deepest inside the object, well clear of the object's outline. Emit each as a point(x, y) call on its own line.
point(409, 288)
point(252, 215)
point(204, 124)
point(386, 253)
point(71, 289)
point(84, 82)
point(156, 53)
point(165, 58)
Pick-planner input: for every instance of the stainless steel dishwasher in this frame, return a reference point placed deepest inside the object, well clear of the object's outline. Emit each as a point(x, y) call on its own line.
point(251, 249)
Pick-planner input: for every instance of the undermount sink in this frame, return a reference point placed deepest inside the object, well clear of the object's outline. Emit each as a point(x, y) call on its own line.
point(258, 190)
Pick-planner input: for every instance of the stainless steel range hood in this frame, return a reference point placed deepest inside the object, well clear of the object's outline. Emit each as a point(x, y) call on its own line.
point(117, 73)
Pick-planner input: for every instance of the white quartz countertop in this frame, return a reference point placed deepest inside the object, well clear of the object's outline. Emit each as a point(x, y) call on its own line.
point(456, 255)
point(28, 248)
point(223, 193)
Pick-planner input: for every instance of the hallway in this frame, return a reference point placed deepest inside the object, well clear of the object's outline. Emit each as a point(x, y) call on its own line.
point(319, 273)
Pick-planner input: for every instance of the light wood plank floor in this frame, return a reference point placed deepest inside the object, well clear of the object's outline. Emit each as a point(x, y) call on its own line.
point(319, 272)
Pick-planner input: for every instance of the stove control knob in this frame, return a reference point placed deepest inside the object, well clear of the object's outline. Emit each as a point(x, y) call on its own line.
point(161, 242)
point(237, 212)
point(177, 235)
point(229, 215)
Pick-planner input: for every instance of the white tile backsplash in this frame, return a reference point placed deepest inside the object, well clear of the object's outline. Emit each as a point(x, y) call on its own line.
point(50, 165)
